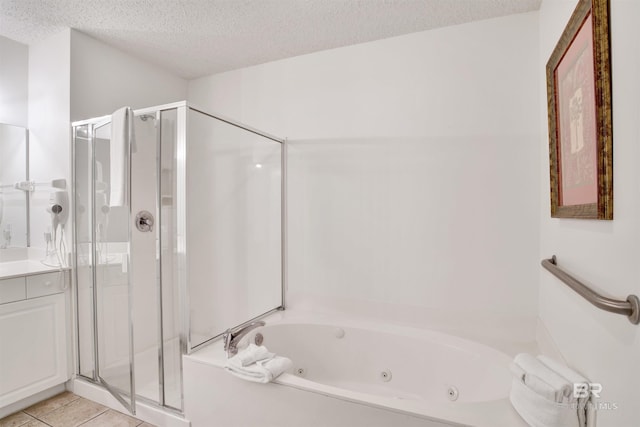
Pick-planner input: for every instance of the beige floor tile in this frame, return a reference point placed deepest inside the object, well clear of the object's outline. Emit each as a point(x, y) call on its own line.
point(112, 418)
point(51, 404)
point(146, 425)
point(35, 423)
point(15, 420)
point(74, 414)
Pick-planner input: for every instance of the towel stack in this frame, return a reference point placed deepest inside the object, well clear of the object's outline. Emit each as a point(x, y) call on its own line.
point(257, 364)
point(543, 393)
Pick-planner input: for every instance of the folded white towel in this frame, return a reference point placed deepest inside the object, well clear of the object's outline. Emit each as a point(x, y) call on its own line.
point(571, 376)
point(252, 354)
point(544, 380)
point(543, 393)
point(533, 382)
point(574, 378)
point(262, 371)
point(119, 150)
point(538, 411)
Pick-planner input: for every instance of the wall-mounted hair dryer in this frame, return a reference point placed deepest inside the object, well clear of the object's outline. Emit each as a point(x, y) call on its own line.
point(58, 208)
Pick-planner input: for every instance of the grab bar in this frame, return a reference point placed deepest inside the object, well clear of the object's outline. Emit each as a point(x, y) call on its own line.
point(629, 308)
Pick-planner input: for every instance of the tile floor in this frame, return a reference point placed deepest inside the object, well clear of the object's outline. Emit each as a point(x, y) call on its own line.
point(69, 410)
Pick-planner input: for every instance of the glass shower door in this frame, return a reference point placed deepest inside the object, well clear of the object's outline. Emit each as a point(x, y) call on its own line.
point(124, 290)
point(114, 352)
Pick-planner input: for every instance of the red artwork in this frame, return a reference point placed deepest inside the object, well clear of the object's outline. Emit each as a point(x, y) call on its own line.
point(580, 122)
point(577, 131)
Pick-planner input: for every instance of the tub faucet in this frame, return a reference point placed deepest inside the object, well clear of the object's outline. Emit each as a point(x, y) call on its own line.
point(232, 338)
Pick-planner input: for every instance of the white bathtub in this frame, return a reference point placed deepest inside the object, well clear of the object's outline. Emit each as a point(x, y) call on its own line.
point(350, 373)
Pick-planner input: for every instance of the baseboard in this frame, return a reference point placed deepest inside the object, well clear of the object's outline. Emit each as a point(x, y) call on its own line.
point(31, 400)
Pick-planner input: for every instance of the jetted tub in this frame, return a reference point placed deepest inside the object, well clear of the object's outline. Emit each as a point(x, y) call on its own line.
point(351, 373)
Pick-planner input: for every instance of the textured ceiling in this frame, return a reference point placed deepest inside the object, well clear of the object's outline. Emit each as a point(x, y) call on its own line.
point(192, 38)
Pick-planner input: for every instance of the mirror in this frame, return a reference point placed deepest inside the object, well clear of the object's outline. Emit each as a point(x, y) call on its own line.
point(14, 171)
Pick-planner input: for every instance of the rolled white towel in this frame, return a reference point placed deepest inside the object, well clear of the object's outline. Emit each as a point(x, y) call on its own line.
point(543, 379)
point(252, 354)
point(262, 371)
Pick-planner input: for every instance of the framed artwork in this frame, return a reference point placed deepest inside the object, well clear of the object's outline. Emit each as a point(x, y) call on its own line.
point(579, 107)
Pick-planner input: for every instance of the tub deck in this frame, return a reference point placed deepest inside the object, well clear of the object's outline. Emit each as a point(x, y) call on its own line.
point(294, 401)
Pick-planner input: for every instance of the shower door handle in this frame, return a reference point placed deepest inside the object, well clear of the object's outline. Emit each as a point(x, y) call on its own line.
point(144, 221)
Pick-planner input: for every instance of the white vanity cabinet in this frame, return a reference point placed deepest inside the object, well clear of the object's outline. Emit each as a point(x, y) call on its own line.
point(33, 334)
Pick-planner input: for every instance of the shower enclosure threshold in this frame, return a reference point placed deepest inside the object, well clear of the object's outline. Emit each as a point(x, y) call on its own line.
point(146, 412)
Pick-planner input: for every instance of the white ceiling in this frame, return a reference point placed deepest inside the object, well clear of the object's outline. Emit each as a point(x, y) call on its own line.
point(193, 38)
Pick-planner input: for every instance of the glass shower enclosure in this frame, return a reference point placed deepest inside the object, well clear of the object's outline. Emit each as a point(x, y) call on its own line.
point(178, 236)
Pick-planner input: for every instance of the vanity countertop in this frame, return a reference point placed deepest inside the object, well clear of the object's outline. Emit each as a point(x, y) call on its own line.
point(25, 267)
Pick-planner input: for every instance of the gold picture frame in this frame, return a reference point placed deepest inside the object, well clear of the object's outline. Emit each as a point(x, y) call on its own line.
point(579, 108)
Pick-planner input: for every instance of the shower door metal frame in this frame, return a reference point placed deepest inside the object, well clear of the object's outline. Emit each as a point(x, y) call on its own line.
point(181, 152)
point(161, 380)
point(182, 117)
point(92, 126)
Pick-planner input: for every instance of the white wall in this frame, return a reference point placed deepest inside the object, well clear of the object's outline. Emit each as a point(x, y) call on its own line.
point(105, 79)
point(604, 254)
point(463, 80)
point(49, 131)
point(413, 172)
point(14, 60)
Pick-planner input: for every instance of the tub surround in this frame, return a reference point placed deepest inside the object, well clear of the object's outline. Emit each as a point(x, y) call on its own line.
point(509, 334)
point(374, 402)
point(386, 206)
point(275, 404)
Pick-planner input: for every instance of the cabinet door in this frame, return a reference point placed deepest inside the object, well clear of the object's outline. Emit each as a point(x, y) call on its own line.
point(33, 353)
